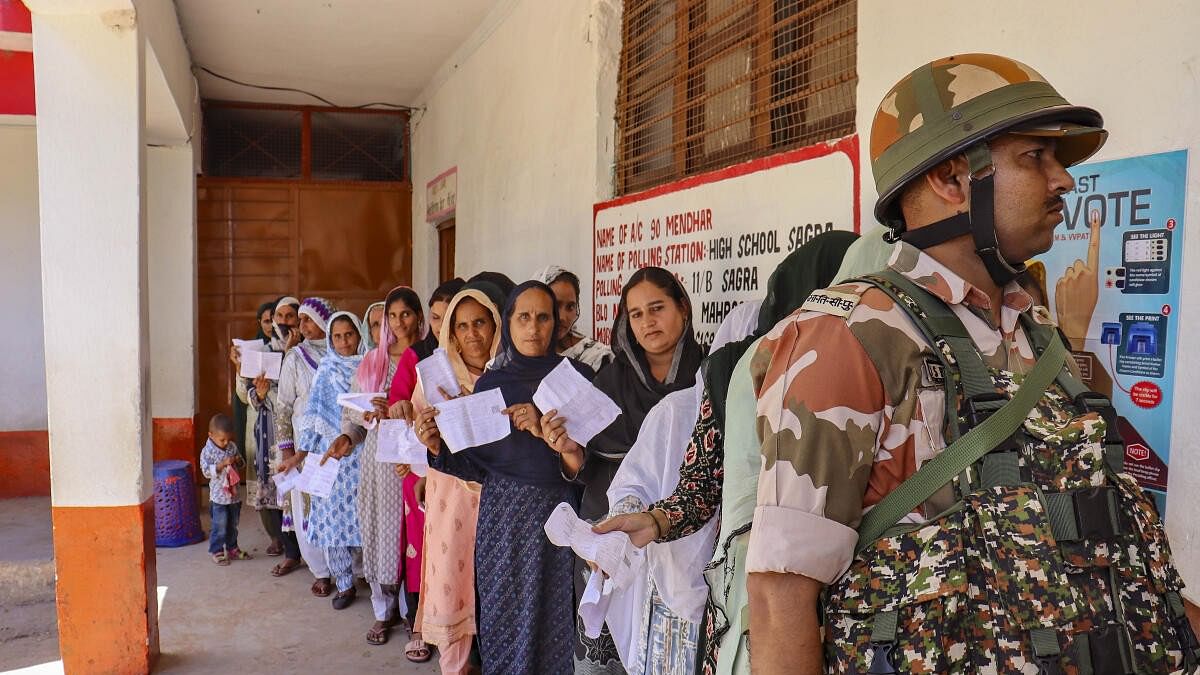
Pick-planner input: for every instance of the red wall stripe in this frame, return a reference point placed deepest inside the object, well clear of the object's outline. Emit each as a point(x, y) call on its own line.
point(14, 17)
point(16, 80)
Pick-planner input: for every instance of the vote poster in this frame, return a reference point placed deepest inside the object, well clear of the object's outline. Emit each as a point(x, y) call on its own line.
point(724, 233)
point(1113, 278)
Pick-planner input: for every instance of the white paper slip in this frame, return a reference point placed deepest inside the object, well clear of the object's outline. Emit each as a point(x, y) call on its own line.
point(317, 479)
point(616, 556)
point(586, 410)
point(471, 421)
point(398, 444)
point(284, 482)
point(257, 363)
point(251, 345)
point(437, 375)
point(360, 402)
point(593, 605)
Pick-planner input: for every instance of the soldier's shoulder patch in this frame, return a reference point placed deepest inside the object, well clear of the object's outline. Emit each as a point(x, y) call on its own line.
point(830, 301)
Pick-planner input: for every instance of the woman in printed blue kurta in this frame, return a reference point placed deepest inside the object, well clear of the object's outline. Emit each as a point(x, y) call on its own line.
point(333, 520)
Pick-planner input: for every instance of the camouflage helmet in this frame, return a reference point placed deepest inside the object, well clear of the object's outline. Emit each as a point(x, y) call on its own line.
point(943, 108)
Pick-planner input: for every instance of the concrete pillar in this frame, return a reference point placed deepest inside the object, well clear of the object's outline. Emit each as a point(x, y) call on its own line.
point(171, 222)
point(91, 161)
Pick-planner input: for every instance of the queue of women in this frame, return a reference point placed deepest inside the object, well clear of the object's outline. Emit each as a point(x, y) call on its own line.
point(458, 555)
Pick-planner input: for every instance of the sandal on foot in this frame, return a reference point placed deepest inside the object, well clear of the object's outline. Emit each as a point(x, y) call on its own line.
point(417, 651)
point(275, 550)
point(239, 554)
point(285, 568)
point(322, 587)
point(220, 559)
point(343, 598)
point(378, 635)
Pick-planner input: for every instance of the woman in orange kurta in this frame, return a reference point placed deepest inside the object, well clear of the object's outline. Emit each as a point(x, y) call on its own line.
point(446, 616)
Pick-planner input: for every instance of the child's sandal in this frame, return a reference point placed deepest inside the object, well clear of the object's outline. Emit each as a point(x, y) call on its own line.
point(220, 559)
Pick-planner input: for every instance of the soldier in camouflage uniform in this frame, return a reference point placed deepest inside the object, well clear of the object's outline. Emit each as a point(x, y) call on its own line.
point(1042, 557)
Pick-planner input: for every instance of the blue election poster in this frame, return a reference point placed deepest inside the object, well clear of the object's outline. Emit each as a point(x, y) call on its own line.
point(1113, 279)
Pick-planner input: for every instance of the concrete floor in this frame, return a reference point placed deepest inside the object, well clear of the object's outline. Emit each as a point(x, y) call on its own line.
point(211, 619)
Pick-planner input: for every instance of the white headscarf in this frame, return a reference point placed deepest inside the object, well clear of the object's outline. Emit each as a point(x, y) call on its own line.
point(650, 472)
point(366, 324)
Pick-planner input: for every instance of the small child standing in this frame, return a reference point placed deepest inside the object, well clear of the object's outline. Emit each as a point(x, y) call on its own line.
point(217, 462)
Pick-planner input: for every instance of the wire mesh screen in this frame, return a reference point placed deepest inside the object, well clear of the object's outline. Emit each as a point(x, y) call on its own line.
point(708, 83)
point(357, 146)
point(244, 142)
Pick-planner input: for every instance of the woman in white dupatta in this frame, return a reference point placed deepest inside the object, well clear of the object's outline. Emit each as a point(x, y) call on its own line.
point(655, 620)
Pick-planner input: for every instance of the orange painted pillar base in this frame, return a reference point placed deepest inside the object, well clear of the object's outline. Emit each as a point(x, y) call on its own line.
point(107, 588)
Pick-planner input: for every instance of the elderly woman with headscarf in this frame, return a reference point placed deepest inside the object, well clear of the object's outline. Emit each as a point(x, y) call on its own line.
point(657, 353)
point(389, 370)
point(299, 367)
point(333, 520)
point(526, 622)
point(259, 395)
point(721, 465)
point(446, 617)
point(569, 342)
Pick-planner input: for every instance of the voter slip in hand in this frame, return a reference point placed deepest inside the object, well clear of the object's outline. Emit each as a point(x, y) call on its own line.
point(398, 444)
point(472, 421)
point(284, 483)
point(586, 410)
point(259, 363)
point(362, 403)
point(317, 479)
point(437, 375)
point(251, 345)
point(613, 553)
point(593, 605)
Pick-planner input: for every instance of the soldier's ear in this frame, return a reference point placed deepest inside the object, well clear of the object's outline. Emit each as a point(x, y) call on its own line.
point(950, 182)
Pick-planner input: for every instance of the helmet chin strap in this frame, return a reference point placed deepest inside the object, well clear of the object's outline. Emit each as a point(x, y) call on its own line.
point(979, 220)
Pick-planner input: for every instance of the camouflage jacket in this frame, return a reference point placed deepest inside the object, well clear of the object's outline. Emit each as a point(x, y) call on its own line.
point(1011, 575)
point(867, 426)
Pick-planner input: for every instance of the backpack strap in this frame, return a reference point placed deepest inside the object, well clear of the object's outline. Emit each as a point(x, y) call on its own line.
point(942, 328)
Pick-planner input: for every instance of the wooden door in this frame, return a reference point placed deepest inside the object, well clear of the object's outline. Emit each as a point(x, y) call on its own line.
point(446, 250)
point(259, 240)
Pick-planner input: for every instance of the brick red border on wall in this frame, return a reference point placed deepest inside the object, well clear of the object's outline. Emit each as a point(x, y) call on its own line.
point(106, 566)
point(24, 463)
point(175, 438)
point(25, 455)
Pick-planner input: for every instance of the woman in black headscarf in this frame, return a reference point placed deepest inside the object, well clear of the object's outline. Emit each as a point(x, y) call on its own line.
point(527, 609)
point(657, 354)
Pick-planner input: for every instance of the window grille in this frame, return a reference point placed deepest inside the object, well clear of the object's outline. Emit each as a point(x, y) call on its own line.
point(245, 140)
point(709, 83)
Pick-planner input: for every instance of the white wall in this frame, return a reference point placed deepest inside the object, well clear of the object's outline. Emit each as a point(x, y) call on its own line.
point(1138, 65)
point(171, 267)
point(22, 353)
point(525, 110)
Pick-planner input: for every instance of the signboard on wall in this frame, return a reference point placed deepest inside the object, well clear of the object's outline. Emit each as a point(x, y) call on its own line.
point(1113, 278)
point(441, 196)
point(723, 233)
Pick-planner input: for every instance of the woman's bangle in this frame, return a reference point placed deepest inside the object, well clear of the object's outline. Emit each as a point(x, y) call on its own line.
point(657, 527)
